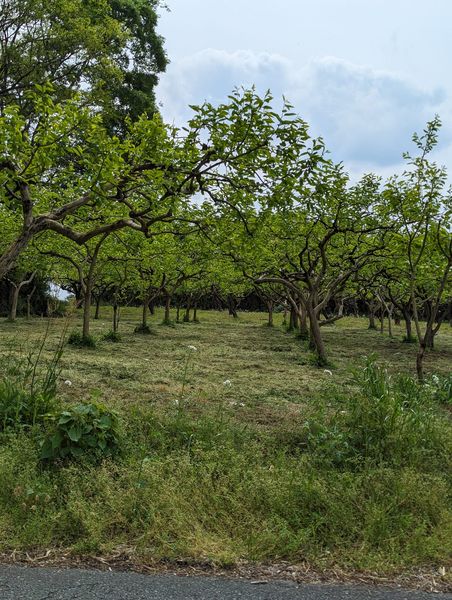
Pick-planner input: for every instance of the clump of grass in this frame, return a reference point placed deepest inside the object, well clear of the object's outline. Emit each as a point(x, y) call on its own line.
point(441, 388)
point(28, 388)
point(388, 421)
point(143, 329)
point(168, 323)
point(81, 341)
point(112, 336)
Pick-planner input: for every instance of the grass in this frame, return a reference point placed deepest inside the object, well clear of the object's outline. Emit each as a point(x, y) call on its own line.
point(240, 449)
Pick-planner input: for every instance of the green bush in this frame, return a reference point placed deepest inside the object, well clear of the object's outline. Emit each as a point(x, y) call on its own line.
point(86, 429)
point(81, 341)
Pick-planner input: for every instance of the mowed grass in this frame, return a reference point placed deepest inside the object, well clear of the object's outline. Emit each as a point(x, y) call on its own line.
point(270, 371)
point(264, 468)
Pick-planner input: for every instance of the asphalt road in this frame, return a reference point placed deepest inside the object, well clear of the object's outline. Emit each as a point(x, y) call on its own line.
point(22, 583)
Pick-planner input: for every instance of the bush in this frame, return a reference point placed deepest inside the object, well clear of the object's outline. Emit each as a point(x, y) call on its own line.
point(87, 429)
point(81, 341)
point(28, 389)
point(112, 336)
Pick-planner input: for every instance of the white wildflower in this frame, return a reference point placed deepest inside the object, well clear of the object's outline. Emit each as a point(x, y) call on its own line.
point(227, 382)
point(147, 359)
point(68, 382)
point(176, 402)
point(192, 348)
point(242, 404)
point(328, 371)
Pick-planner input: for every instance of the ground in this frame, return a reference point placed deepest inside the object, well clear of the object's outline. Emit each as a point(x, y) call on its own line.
point(217, 466)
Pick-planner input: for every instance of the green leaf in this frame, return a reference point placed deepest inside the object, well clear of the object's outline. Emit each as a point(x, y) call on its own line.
point(75, 433)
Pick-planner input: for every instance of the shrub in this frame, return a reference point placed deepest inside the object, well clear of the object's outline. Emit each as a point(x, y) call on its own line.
point(86, 429)
point(81, 341)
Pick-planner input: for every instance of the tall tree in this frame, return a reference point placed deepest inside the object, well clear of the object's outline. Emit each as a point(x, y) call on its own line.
point(108, 50)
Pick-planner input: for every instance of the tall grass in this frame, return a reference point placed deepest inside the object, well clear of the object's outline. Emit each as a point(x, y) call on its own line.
point(28, 386)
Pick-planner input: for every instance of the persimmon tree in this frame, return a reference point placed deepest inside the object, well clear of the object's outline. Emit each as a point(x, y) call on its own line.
point(68, 175)
point(422, 210)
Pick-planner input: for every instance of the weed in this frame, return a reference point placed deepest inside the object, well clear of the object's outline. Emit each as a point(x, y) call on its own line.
point(112, 336)
point(28, 387)
point(142, 329)
point(387, 421)
point(80, 430)
point(81, 341)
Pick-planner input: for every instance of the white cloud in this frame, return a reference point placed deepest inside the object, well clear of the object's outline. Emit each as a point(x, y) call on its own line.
point(366, 116)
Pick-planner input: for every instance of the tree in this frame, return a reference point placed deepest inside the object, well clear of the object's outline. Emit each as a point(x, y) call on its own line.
point(422, 210)
point(69, 176)
point(107, 49)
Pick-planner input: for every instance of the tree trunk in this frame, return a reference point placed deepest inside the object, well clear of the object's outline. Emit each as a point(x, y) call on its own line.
point(14, 301)
point(167, 308)
point(187, 310)
point(420, 362)
point(195, 313)
point(178, 313)
point(115, 318)
point(408, 326)
point(15, 295)
point(9, 258)
point(372, 309)
point(316, 338)
point(29, 297)
point(152, 308)
point(270, 313)
point(232, 306)
point(389, 324)
point(382, 318)
point(293, 319)
point(429, 339)
point(96, 314)
point(303, 320)
point(144, 314)
point(87, 309)
point(86, 313)
point(372, 324)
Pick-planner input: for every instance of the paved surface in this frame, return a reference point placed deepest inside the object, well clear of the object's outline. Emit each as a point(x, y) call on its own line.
point(22, 583)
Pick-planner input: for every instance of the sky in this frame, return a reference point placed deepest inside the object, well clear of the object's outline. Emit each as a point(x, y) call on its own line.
point(365, 74)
